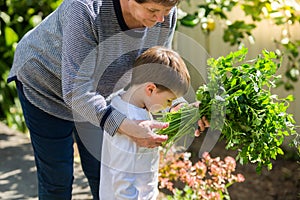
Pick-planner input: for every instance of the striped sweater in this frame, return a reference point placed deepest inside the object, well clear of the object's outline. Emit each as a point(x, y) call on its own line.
point(79, 55)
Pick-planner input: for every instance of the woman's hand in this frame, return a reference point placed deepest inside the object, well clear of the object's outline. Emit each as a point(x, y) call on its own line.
point(142, 133)
point(203, 123)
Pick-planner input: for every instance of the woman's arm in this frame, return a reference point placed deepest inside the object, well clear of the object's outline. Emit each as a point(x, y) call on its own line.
point(80, 57)
point(141, 132)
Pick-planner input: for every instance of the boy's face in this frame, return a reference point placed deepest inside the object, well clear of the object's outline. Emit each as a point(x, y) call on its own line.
point(159, 100)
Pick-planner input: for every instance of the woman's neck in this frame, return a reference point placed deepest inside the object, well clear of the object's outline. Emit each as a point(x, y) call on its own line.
point(130, 21)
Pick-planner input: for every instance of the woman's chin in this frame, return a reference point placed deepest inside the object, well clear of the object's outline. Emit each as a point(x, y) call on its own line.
point(149, 24)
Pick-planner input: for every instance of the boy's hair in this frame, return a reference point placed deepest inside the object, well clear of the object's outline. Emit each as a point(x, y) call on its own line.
point(164, 67)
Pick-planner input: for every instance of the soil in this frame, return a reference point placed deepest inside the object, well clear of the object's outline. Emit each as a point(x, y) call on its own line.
point(18, 174)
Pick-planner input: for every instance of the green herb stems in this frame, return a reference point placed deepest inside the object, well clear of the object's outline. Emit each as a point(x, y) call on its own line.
point(238, 102)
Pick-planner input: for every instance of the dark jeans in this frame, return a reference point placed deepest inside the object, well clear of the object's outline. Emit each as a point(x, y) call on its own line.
point(52, 142)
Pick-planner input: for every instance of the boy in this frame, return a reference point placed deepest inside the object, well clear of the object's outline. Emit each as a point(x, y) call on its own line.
point(128, 171)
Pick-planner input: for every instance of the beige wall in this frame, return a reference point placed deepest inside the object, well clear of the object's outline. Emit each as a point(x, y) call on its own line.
point(264, 34)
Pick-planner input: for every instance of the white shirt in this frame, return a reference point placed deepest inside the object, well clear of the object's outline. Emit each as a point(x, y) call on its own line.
point(127, 170)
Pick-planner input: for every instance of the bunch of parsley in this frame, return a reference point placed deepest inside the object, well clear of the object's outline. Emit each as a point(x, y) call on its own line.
point(238, 102)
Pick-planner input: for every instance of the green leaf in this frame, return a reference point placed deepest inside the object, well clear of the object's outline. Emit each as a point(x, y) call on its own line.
point(10, 36)
point(279, 151)
point(5, 17)
point(190, 20)
point(270, 166)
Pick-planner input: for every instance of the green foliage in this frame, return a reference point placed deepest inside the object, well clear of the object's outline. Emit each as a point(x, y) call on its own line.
point(280, 13)
point(238, 102)
point(189, 20)
point(236, 32)
point(16, 18)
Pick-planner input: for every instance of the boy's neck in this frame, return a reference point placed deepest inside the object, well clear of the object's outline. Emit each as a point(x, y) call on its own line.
point(134, 95)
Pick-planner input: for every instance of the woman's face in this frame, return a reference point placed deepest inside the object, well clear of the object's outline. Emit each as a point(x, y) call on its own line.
point(148, 14)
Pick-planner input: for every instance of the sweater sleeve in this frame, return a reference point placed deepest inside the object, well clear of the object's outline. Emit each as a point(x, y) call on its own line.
point(171, 26)
point(79, 66)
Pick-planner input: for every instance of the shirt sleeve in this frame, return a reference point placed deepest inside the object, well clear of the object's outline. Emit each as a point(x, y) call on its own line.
point(79, 67)
point(171, 26)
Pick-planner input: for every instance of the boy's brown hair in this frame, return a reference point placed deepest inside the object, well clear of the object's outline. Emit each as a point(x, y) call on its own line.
point(164, 67)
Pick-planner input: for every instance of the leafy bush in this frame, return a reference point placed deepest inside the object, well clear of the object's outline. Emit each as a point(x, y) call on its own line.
point(16, 18)
point(284, 14)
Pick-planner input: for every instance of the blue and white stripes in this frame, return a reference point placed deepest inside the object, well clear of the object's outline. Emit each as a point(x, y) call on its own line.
point(77, 57)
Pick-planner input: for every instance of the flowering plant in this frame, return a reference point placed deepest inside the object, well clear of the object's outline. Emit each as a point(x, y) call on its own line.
point(208, 178)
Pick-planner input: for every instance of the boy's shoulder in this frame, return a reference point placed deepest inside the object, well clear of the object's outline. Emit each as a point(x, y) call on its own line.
point(129, 110)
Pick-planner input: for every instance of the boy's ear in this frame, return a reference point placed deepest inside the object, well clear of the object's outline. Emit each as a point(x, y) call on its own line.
point(150, 87)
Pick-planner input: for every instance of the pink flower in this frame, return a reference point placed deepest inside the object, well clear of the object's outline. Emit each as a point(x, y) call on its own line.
point(165, 183)
point(216, 170)
point(208, 178)
point(214, 196)
point(230, 162)
point(240, 178)
point(206, 156)
point(201, 169)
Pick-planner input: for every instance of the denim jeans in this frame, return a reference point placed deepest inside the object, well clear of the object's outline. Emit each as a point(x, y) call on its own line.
point(52, 141)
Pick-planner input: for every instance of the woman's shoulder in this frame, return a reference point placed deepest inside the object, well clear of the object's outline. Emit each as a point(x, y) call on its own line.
point(85, 2)
point(92, 6)
point(85, 9)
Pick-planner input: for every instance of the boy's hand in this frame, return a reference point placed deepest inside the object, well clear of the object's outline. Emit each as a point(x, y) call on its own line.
point(203, 123)
point(177, 107)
